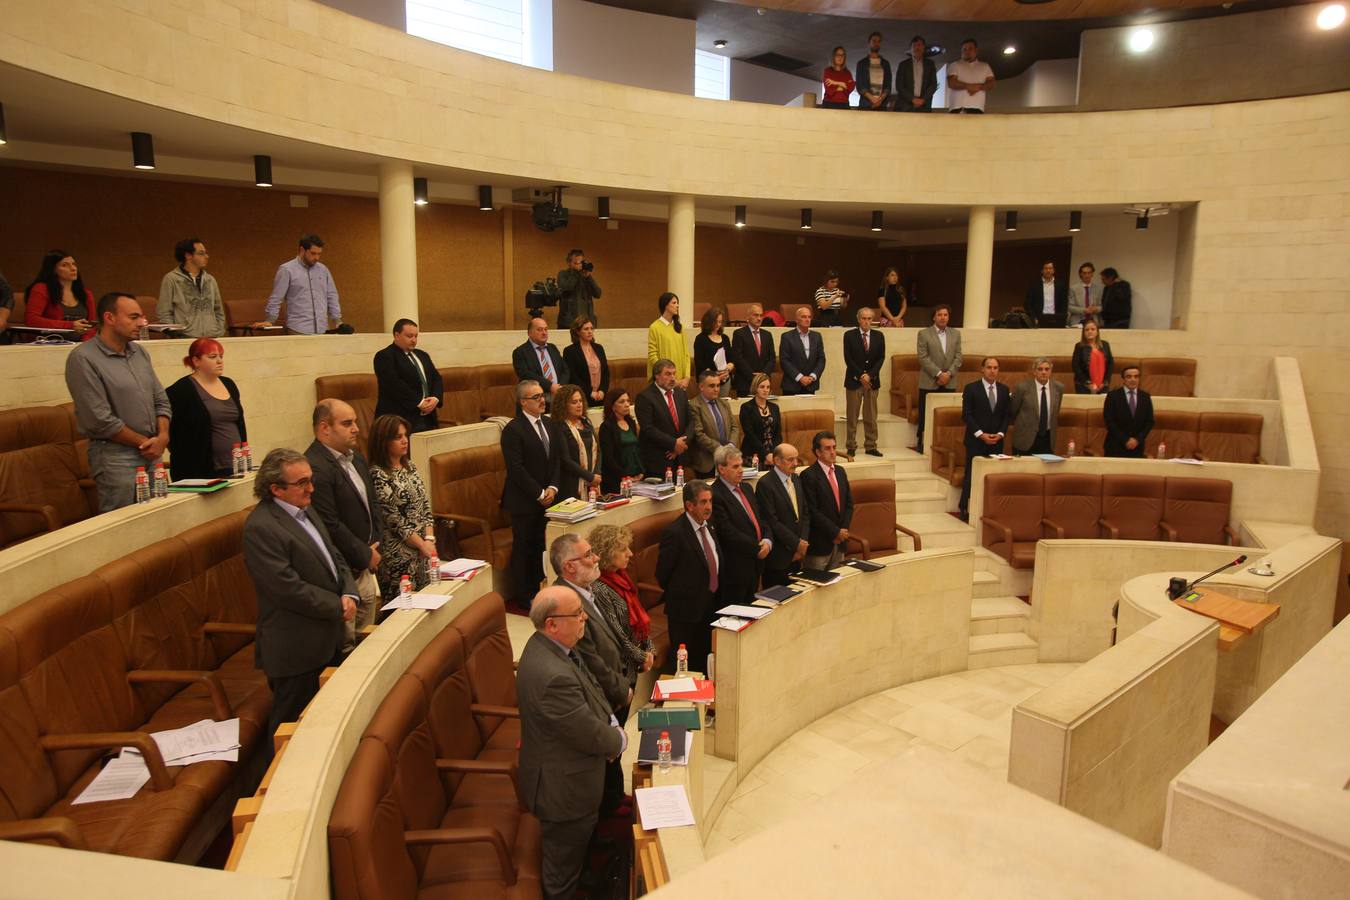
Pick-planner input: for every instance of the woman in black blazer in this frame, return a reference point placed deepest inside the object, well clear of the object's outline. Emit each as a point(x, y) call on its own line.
point(761, 423)
point(208, 419)
point(1092, 362)
point(580, 469)
point(619, 455)
point(586, 362)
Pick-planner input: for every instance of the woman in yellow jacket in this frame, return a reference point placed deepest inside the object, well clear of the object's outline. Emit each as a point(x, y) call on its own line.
point(665, 339)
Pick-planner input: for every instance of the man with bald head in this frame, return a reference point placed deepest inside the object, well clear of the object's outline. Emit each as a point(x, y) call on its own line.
point(787, 514)
point(345, 501)
point(538, 360)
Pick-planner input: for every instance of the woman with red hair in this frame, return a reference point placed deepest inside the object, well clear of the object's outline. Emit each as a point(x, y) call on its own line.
point(208, 419)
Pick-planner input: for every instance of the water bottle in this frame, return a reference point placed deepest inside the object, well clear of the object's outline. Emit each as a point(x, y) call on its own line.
point(404, 587)
point(237, 461)
point(142, 485)
point(679, 477)
point(595, 497)
point(434, 561)
point(1072, 451)
point(161, 488)
point(626, 487)
point(668, 478)
point(248, 458)
point(663, 751)
point(754, 461)
point(1162, 450)
point(681, 662)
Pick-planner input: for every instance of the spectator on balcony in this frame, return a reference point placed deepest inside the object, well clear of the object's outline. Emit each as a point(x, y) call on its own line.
point(837, 81)
point(873, 81)
point(712, 350)
point(968, 80)
point(1116, 300)
point(306, 285)
point(586, 362)
point(579, 290)
point(665, 339)
point(1035, 410)
point(208, 418)
point(1092, 361)
point(189, 295)
point(830, 300)
point(915, 79)
point(1047, 299)
point(1085, 298)
point(58, 299)
point(891, 299)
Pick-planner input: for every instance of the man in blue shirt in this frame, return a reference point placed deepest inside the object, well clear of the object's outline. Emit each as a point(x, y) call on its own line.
point(308, 289)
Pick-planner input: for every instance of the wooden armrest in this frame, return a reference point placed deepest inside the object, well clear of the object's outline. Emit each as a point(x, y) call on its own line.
point(488, 710)
point(863, 545)
point(1232, 536)
point(996, 525)
point(220, 704)
point(475, 835)
point(243, 628)
point(114, 740)
point(477, 766)
point(44, 511)
point(1169, 533)
point(913, 536)
point(452, 520)
point(1054, 526)
point(55, 828)
point(1111, 531)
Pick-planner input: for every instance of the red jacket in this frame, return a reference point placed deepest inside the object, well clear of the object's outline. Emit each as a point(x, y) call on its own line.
point(834, 95)
point(40, 311)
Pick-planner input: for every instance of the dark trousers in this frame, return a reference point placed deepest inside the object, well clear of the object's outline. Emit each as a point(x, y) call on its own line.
point(968, 110)
point(290, 695)
point(834, 104)
point(827, 318)
point(697, 639)
point(564, 846)
point(978, 448)
point(774, 577)
point(527, 556)
point(1040, 445)
point(923, 405)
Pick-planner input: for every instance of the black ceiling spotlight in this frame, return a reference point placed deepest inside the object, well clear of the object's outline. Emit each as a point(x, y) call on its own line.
point(1075, 220)
point(485, 197)
point(876, 220)
point(421, 196)
point(3, 139)
point(1010, 221)
point(262, 171)
point(806, 219)
point(740, 215)
point(602, 208)
point(1141, 222)
point(142, 150)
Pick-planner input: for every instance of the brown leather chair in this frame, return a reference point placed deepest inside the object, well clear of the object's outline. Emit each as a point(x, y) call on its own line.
point(875, 531)
point(948, 444)
point(1094, 433)
point(1014, 512)
point(490, 666)
point(1013, 369)
point(149, 308)
point(738, 314)
point(466, 492)
point(1073, 505)
point(461, 403)
point(1168, 376)
point(240, 316)
point(801, 425)
point(776, 382)
point(1230, 437)
point(1062, 371)
point(44, 473)
point(1120, 364)
point(1179, 429)
point(642, 569)
point(905, 387)
point(1132, 507)
point(1196, 510)
point(497, 390)
point(358, 389)
point(629, 374)
point(1072, 426)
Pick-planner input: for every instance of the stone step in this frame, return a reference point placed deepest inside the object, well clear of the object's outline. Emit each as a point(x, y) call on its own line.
point(917, 483)
point(940, 530)
point(986, 584)
point(914, 504)
point(998, 615)
point(989, 650)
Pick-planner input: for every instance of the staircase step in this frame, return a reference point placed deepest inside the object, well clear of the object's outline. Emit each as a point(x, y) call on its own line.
point(989, 650)
point(986, 584)
point(940, 530)
point(917, 483)
point(998, 615)
point(914, 504)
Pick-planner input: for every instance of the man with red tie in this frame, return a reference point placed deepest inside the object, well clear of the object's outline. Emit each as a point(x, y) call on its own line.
point(689, 569)
point(665, 427)
point(831, 505)
point(752, 350)
point(745, 536)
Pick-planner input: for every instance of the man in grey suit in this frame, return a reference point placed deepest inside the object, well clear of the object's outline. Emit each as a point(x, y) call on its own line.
point(304, 587)
point(939, 349)
point(714, 425)
point(567, 734)
point(801, 353)
point(1035, 410)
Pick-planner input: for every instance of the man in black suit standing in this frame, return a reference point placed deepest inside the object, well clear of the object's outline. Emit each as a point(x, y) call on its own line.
point(410, 386)
point(344, 498)
point(1117, 300)
point(1047, 300)
point(915, 79)
point(740, 526)
point(752, 351)
point(305, 590)
point(532, 448)
point(802, 355)
point(864, 352)
point(787, 513)
point(688, 568)
point(831, 503)
point(986, 406)
point(1128, 411)
point(539, 361)
point(665, 427)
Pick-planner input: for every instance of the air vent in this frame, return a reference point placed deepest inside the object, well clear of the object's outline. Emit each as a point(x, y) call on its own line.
point(778, 62)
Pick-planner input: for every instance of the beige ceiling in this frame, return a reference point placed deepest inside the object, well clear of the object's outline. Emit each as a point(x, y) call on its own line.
point(976, 10)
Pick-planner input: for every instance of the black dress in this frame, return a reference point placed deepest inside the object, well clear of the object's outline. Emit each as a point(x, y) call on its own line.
point(619, 455)
point(705, 348)
point(892, 299)
point(760, 433)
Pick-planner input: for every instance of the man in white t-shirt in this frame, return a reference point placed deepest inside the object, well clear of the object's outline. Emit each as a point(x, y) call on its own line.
point(968, 79)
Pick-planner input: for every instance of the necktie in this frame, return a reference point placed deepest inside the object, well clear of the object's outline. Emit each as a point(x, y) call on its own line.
point(866, 343)
point(421, 376)
point(1132, 403)
point(834, 486)
point(543, 435)
point(745, 502)
point(546, 365)
point(792, 496)
point(1044, 424)
point(670, 405)
point(717, 417)
point(1087, 296)
point(754, 333)
point(993, 400)
point(711, 557)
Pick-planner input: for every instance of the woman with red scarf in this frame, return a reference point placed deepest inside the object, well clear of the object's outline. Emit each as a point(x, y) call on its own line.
point(616, 596)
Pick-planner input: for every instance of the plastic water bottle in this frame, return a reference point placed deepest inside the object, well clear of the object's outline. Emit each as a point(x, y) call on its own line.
point(668, 478)
point(1162, 450)
point(595, 497)
point(248, 458)
point(754, 461)
point(681, 662)
point(142, 485)
point(626, 487)
point(434, 561)
point(679, 477)
point(1072, 450)
point(404, 587)
point(161, 488)
point(663, 751)
point(237, 461)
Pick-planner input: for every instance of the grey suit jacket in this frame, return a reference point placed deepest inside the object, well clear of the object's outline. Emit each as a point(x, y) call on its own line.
point(933, 361)
point(705, 441)
point(1026, 411)
point(602, 652)
point(565, 735)
point(300, 627)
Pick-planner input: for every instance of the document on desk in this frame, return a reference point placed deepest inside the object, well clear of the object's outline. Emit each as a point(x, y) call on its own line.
point(419, 600)
point(670, 686)
point(663, 807)
point(120, 779)
point(745, 612)
point(199, 742)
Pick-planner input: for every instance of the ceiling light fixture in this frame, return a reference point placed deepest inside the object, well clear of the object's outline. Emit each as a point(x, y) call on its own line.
point(1331, 16)
point(485, 197)
point(740, 215)
point(1010, 220)
point(719, 43)
point(1141, 39)
point(3, 139)
point(262, 171)
point(1075, 220)
point(806, 218)
point(602, 208)
point(142, 150)
point(420, 196)
point(876, 220)
point(1009, 50)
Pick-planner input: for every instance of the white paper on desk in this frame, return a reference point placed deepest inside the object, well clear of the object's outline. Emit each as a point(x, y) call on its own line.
point(745, 612)
point(663, 807)
point(675, 686)
point(120, 779)
point(720, 359)
point(731, 623)
point(1187, 461)
point(456, 567)
point(419, 600)
point(197, 739)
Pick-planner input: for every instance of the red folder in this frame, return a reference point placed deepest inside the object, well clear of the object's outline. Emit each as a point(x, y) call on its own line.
point(703, 692)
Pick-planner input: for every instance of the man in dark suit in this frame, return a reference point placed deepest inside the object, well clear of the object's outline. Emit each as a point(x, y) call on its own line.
point(787, 513)
point(1117, 300)
point(830, 502)
point(1047, 300)
point(741, 528)
point(664, 424)
point(915, 79)
point(305, 590)
point(539, 361)
point(714, 425)
point(688, 568)
point(801, 352)
point(567, 734)
point(864, 352)
point(985, 407)
point(344, 498)
point(1035, 410)
point(751, 350)
point(410, 386)
point(532, 450)
point(1128, 412)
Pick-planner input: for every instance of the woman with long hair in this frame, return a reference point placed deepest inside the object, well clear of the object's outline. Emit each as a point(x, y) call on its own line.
point(1092, 361)
point(208, 419)
point(891, 298)
point(585, 359)
point(403, 504)
point(665, 339)
point(709, 341)
point(580, 447)
point(57, 297)
point(619, 453)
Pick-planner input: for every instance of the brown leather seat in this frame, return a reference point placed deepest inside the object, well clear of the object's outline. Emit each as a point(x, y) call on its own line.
point(1011, 524)
point(1062, 371)
point(642, 569)
point(875, 531)
point(1073, 505)
point(948, 444)
point(1072, 426)
point(360, 390)
point(629, 374)
point(1179, 429)
point(466, 490)
point(44, 473)
point(1230, 437)
point(1196, 511)
point(738, 313)
point(1120, 363)
point(497, 390)
point(240, 314)
point(1132, 506)
point(491, 670)
point(801, 425)
point(905, 387)
point(461, 402)
point(1094, 431)
point(1168, 376)
point(1013, 369)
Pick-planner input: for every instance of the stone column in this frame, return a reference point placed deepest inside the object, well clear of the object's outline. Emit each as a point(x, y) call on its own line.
point(680, 254)
point(398, 243)
point(979, 266)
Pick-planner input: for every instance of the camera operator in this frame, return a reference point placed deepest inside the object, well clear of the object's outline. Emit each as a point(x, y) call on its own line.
point(579, 290)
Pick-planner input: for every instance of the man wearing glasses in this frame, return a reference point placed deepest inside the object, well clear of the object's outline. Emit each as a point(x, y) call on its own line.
point(305, 589)
point(532, 450)
point(189, 295)
point(567, 735)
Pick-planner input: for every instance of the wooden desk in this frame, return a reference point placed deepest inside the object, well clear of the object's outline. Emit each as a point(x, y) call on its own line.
point(1236, 618)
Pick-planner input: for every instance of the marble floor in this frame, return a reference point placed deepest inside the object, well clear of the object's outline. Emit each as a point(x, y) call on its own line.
point(967, 715)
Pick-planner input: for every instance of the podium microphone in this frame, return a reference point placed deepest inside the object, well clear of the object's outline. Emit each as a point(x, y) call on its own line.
point(1177, 587)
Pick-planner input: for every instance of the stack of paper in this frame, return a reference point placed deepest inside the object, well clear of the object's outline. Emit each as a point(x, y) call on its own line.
point(663, 807)
point(698, 690)
point(731, 623)
point(570, 511)
point(749, 474)
point(744, 612)
point(420, 600)
point(462, 569)
point(199, 742)
point(120, 779)
point(659, 491)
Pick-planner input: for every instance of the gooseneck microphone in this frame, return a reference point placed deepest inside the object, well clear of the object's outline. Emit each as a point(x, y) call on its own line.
point(1177, 587)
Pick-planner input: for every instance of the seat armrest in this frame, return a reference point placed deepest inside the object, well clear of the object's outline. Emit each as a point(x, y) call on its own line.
point(475, 835)
point(219, 702)
point(447, 537)
point(244, 628)
point(55, 828)
point(1169, 533)
point(1111, 531)
point(488, 710)
point(1231, 535)
point(913, 536)
point(864, 546)
point(114, 740)
point(44, 511)
point(1053, 526)
point(995, 525)
point(452, 521)
point(482, 767)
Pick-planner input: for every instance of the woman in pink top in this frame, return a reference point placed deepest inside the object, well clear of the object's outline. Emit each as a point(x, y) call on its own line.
point(837, 81)
point(1092, 362)
point(586, 361)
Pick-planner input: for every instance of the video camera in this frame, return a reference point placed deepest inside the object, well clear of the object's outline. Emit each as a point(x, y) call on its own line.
point(541, 294)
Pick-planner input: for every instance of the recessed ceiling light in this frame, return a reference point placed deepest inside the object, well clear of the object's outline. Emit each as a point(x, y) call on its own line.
point(1141, 39)
point(1331, 16)
point(1009, 50)
point(719, 43)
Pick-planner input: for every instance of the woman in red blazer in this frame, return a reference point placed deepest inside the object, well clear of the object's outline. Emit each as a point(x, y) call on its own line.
point(57, 297)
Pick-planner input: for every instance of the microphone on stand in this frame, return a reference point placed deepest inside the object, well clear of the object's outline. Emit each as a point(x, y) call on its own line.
point(1177, 587)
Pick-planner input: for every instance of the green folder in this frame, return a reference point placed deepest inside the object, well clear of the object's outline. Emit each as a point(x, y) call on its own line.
point(678, 717)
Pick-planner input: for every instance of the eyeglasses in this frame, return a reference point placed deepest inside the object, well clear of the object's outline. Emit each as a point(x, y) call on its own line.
point(302, 483)
point(589, 554)
point(538, 396)
point(579, 614)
